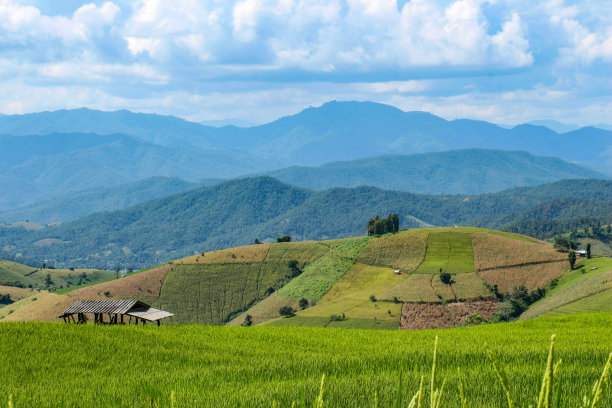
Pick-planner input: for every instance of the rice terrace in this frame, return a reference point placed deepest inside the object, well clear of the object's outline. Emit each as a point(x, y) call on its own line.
point(305, 203)
point(375, 282)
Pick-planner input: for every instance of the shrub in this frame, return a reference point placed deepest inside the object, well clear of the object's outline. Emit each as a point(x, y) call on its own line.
point(372, 298)
point(303, 303)
point(248, 321)
point(446, 278)
point(286, 311)
point(474, 319)
point(284, 238)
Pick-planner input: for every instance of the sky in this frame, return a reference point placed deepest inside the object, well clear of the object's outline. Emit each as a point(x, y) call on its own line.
point(504, 61)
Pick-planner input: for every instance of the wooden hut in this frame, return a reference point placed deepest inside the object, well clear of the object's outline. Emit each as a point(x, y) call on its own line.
point(116, 310)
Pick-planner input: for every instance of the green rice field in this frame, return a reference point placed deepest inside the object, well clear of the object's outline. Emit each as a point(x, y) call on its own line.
point(450, 251)
point(59, 365)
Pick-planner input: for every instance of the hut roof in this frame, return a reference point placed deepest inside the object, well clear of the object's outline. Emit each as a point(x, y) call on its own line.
point(128, 307)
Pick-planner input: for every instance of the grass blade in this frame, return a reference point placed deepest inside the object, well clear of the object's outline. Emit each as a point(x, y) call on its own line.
point(501, 375)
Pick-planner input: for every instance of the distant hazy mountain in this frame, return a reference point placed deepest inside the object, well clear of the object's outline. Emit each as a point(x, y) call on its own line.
point(555, 125)
point(471, 171)
point(158, 129)
point(76, 205)
point(238, 211)
point(335, 131)
point(36, 168)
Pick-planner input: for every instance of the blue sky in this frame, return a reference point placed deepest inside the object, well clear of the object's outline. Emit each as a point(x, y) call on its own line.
point(500, 61)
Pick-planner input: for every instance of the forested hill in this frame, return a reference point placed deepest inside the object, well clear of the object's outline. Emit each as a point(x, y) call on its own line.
point(469, 171)
point(236, 212)
point(75, 205)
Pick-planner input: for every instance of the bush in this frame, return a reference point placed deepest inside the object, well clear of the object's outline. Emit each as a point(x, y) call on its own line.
point(372, 298)
point(395, 299)
point(5, 299)
point(284, 238)
point(248, 321)
point(303, 303)
point(286, 311)
point(474, 319)
point(446, 278)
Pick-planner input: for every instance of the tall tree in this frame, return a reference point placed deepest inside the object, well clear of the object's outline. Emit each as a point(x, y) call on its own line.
point(572, 259)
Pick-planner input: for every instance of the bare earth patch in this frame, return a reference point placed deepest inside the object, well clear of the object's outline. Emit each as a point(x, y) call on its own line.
point(417, 316)
point(147, 283)
point(494, 251)
point(532, 276)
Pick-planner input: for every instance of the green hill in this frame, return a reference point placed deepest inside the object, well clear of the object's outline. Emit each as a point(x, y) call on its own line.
point(16, 274)
point(79, 204)
point(236, 212)
point(365, 282)
point(470, 171)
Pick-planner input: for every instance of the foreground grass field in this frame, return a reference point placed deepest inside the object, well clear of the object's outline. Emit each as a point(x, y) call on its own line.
point(58, 365)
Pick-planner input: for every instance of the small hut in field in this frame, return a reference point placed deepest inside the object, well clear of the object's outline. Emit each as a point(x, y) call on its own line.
point(117, 312)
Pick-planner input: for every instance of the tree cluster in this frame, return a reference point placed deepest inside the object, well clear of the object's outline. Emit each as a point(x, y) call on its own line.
point(515, 302)
point(380, 226)
point(5, 299)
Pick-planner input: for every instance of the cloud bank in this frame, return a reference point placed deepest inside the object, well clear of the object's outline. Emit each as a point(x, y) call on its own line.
point(259, 59)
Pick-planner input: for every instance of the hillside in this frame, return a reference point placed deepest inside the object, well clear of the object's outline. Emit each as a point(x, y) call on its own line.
point(36, 168)
point(79, 204)
point(338, 278)
point(236, 212)
point(335, 131)
point(19, 275)
point(472, 171)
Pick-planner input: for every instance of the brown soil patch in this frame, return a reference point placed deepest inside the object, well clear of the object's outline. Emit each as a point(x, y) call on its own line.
point(416, 316)
point(532, 276)
point(494, 251)
point(147, 283)
point(250, 254)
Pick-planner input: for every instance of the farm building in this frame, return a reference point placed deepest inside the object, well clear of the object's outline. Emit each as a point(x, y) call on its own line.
point(117, 311)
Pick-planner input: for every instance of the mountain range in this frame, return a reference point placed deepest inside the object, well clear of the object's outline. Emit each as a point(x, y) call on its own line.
point(238, 211)
point(470, 171)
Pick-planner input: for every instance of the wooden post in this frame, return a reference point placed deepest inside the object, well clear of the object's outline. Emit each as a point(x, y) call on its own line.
point(121, 319)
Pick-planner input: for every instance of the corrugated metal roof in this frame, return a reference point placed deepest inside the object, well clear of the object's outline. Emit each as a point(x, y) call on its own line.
point(149, 313)
point(103, 306)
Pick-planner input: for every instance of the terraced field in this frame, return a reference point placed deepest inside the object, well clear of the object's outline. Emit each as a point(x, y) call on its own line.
point(354, 282)
point(582, 290)
point(449, 252)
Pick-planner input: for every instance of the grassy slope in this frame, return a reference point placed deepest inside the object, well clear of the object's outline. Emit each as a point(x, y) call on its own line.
point(16, 273)
point(581, 290)
point(339, 275)
point(50, 365)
